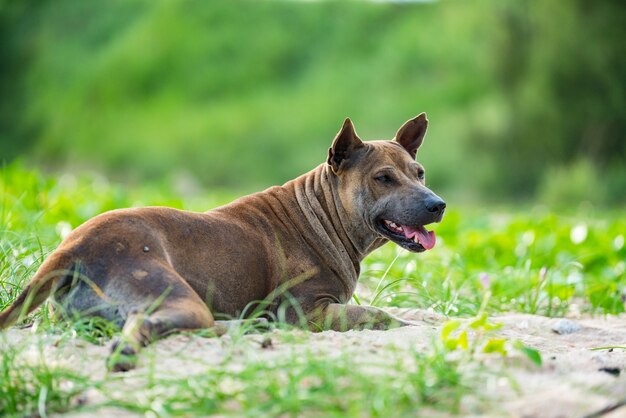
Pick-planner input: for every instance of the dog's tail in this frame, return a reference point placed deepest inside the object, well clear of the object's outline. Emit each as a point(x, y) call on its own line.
point(58, 266)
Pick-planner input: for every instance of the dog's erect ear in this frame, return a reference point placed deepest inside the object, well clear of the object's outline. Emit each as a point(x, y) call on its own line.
point(411, 134)
point(344, 144)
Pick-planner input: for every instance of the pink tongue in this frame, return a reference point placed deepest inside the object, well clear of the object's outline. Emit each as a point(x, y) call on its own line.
point(425, 237)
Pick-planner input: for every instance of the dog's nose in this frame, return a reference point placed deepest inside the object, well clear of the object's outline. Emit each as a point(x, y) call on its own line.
point(435, 206)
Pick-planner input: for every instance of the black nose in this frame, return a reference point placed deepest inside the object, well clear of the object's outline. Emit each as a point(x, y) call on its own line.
point(435, 206)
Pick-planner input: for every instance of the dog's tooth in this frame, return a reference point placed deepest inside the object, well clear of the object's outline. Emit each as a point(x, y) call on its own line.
point(393, 224)
point(416, 240)
point(388, 222)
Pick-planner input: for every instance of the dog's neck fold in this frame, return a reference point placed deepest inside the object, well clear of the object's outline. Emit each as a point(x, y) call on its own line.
point(318, 197)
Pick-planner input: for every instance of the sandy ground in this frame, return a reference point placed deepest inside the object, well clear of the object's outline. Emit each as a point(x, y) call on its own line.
point(574, 381)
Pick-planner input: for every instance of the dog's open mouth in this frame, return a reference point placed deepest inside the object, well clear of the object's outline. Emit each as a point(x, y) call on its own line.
point(413, 238)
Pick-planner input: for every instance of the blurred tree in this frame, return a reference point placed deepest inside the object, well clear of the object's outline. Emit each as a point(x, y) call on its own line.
point(561, 68)
point(247, 93)
point(17, 21)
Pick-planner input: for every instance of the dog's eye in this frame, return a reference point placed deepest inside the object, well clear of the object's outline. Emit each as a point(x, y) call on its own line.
point(383, 178)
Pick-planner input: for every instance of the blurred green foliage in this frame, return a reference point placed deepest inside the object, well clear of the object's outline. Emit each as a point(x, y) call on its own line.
point(250, 93)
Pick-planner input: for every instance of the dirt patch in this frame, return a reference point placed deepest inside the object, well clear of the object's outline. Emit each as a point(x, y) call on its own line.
point(574, 381)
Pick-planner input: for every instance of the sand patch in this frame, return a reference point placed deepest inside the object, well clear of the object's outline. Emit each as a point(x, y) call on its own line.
point(574, 381)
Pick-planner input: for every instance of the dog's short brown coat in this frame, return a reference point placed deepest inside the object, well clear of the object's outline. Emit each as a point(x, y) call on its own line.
point(157, 269)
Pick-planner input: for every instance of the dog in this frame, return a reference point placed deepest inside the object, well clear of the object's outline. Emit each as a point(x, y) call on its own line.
point(293, 250)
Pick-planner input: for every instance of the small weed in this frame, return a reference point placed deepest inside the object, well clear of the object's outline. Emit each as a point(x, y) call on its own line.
point(455, 334)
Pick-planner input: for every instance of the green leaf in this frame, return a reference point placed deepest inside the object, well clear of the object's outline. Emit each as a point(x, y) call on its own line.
point(561, 291)
point(451, 343)
point(479, 322)
point(533, 354)
point(495, 345)
point(463, 340)
point(492, 326)
point(448, 327)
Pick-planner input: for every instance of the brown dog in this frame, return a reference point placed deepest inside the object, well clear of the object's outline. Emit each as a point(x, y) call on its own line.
point(296, 247)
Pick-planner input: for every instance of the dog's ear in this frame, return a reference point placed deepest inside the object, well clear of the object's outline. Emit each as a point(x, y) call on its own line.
point(344, 144)
point(411, 134)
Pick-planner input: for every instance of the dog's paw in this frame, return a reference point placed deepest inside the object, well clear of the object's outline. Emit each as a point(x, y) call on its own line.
point(123, 357)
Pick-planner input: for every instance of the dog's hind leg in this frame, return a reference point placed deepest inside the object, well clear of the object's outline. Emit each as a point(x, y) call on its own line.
point(178, 308)
point(141, 328)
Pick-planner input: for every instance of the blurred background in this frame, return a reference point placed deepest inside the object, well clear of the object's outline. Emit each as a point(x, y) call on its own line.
point(526, 98)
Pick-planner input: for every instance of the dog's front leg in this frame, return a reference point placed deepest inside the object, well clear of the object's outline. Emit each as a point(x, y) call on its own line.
point(340, 317)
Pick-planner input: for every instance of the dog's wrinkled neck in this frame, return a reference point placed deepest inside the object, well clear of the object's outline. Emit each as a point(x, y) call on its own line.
point(357, 237)
point(361, 236)
point(341, 241)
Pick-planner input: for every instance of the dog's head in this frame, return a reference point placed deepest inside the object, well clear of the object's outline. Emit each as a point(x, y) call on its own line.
point(382, 187)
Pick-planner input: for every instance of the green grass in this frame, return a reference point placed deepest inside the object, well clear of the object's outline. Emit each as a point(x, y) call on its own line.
point(303, 382)
point(306, 382)
point(533, 261)
point(530, 261)
point(30, 385)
